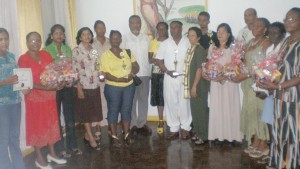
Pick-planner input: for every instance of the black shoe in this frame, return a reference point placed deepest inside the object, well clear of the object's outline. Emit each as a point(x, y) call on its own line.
point(85, 141)
point(173, 136)
point(134, 130)
point(145, 130)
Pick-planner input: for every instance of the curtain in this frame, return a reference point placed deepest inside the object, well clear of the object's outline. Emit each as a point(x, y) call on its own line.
point(9, 21)
point(29, 13)
point(59, 12)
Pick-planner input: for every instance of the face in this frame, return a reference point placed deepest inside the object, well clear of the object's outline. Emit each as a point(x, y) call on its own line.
point(193, 38)
point(162, 31)
point(34, 42)
point(203, 21)
point(4, 42)
point(115, 40)
point(249, 16)
point(86, 36)
point(58, 35)
point(135, 25)
point(223, 34)
point(176, 30)
point(292, 22)
point(258, 28)
point(100, 29)
point(275, 36)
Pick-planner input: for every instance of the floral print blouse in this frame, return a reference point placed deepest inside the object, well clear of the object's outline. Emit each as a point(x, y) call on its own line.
point(85, 64)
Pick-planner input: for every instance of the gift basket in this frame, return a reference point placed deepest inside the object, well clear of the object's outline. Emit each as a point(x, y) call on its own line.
point(59, 72)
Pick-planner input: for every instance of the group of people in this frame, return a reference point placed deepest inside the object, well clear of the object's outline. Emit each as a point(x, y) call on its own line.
point(196, 107)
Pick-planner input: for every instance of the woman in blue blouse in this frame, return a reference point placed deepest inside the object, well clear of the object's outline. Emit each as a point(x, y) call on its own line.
point(10, 108)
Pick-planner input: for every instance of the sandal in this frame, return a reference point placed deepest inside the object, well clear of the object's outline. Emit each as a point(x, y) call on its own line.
point(128, 140)
point(195, 138)
point(160, 129)
point(199, 142)
point(115, 142)
point(97, 135)
point(76, 151)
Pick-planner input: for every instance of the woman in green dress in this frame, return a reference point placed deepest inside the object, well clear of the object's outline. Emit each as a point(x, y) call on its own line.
point(196, 88)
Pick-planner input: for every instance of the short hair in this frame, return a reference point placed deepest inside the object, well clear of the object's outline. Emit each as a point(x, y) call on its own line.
point(134, 17)
point(80, 32)
point(204, 13)
point(112, 32)
point(253, 10)
point(3, 30)
point(295, 9)
point(52, 30)
point(98, 22)
point(31, 33)
point(230, 38)
point(278, 25)
point(162, 23)
point(177, 22)
point(197, 30)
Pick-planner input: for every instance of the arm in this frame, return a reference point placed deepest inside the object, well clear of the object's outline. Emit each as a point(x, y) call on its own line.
point(150, 57)
point(9, 80)
point(163, 68)
point(196, 81)
point(274, 86)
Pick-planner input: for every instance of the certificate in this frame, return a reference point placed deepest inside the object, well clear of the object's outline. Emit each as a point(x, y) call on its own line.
point(24, 79)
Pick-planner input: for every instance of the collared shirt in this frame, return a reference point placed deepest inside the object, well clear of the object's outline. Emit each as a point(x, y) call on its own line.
point(52, 49)
point(7, 95)
point(139, 47)
point(110, 63)
point(169, 51)
point(85, 63)
point(245, 35)
point(101, 48)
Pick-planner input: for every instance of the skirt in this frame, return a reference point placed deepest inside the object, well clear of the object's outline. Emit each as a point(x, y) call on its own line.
point(157, 87)
point(89, 109)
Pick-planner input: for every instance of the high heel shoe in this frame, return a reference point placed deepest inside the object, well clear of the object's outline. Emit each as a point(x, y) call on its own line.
point(56, 160)
point(42, 167)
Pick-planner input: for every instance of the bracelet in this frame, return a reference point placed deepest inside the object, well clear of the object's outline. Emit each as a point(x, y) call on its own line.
point(279, 87)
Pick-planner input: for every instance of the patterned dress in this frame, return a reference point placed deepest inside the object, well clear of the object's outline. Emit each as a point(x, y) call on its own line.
point(285, 150)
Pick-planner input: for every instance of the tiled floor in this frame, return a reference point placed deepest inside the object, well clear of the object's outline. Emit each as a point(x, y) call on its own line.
point(154, 152)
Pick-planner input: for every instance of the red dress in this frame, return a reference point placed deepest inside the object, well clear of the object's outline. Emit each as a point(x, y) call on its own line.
point(41, 112)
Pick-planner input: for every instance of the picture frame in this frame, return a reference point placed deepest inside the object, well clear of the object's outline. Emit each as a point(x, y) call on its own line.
point(154, 11)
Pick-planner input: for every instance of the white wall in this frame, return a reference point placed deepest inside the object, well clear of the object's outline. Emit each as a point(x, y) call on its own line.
point(115, 14)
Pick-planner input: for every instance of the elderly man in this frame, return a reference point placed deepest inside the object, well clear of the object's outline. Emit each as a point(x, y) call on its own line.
point(171, 56)
point(245, 34)
point(138, 43)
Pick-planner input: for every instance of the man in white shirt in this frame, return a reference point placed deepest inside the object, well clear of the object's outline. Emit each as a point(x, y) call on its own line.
point(245, 34)
point(171, 56)
point(138, 43)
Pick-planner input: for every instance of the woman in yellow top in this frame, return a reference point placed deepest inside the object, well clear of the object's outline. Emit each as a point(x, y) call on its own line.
point(118, 67)
point(157, 77)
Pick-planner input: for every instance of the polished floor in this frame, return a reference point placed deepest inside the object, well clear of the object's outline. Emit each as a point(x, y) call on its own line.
point(156, 152)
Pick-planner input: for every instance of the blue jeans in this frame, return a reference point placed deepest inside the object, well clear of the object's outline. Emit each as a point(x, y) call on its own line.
point(119, 100)
point(10, 119)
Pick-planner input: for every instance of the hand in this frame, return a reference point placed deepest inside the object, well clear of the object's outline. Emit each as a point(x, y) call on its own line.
point(11, 80)
point(61, 85)
point(205, 76)
point(194, 92)
point(261, 95)
point(264, 84)
point(80, 94)
point(130, 76)
point(170, 73)
point(240, 77)
point(26, 91)
point(219, 78)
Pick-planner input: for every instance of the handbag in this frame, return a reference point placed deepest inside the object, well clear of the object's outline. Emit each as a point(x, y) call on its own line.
point(136, 80)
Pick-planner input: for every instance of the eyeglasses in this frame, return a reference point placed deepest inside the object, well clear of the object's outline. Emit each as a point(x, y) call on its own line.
point(290, 20)
point(33, 42)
